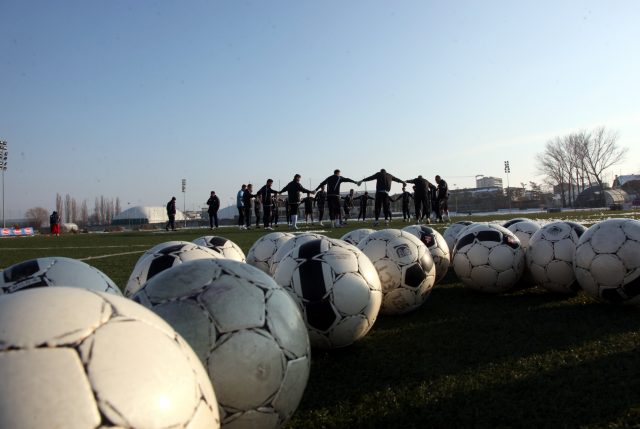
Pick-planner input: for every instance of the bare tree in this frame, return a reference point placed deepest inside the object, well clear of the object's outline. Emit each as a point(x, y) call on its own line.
point(74, 210)
point(84, 213)
point(118, 207)
point(96, 212)
point(37, 216)
point(67, 207)
point(603, 153)
point(59, 205)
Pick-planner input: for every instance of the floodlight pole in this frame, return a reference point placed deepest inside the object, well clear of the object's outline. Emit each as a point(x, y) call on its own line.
point(184, 201)
point(3, 166)
point(507, 170)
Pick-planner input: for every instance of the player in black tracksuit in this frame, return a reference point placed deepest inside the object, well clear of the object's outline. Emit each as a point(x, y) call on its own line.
point(265, 195)
point(333, 194)
point(364, 200)
point(308, 208)
point(320, 199)
point(406, 196)
point(294, 188)
point(383, 186)
point(422, 197)
point(443, 198)
point(246, 201)
point(275, 206)
point(348, 205)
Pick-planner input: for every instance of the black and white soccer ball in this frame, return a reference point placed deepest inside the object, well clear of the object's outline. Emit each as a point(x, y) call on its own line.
point(161, 257)
point(55, 271)
point(607, 261)
point(223, 246)
point(405, 267)
point(437, 246)
point(523, 229)
point(247, 331)
point(550, 255)
point(451, 232)
point(355, 236)
point(72, 358)
point(337, 288)
point(289, 245)
point(262, 251)
point(488, 258)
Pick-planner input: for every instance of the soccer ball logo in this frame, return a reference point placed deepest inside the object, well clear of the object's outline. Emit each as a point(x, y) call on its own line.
point(607, 261)
point(246, 330)
point(488, 258)
point(405, 267)
point(337, 288)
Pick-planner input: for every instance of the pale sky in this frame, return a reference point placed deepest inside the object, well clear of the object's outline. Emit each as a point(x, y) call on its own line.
point(126, 98)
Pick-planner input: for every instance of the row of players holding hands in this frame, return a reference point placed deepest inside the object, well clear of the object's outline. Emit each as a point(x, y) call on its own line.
point(424, 193)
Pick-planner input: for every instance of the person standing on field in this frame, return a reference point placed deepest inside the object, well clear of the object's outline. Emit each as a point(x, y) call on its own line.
point(347, 205)
point(383, 187)
point(364, 201)
point(266, 195)
point(406, 196)
point(240, 206)
point(422, 197)
point(308, 208)
point(333, 195)
point(443, 198)
point(257, 210)
point(320, 199)
point(54, 223)
point(293, 189)
point(171, 213)
point(247, 196)
point(214, 205)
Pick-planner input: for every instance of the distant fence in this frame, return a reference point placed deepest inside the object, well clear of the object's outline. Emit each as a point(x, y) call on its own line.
point(16, 232)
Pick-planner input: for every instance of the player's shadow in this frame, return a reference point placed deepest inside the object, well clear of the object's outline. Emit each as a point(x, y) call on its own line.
point(458, 330)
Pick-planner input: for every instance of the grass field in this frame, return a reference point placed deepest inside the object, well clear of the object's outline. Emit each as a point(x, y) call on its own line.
point(523, 359)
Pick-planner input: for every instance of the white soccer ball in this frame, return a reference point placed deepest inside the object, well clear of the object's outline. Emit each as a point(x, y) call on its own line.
point(337, 288)
point(550, 257)
point(437, 246)
point(453, 230)
point(523, 229)
point(247, 331)
point(263, 250)
point(607, 261)
point(289, 245)
point(55, 271)
point(405, 267)
point(76, 358)
point(163, 256)
point(354, 237)
point(223, 246)
point(488, 258)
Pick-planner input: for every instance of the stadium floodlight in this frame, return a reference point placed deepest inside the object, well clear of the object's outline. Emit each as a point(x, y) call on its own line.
point(507, 170)
point(4, 154)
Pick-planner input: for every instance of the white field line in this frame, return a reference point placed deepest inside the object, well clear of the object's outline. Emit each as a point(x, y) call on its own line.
point(73, 247)
point(110, 255)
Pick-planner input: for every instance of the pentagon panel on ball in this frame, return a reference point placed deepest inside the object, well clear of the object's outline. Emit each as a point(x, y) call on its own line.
point(55, 271)
point(453, 230)
point(607, 261)
point(354, 237)
point(164, 256)
point(262, 251)
point(405, 267)
point(337, 288)
point(247, 331)
point(74, 358)
point(221, 245)
point(289, 245)
point(550, 255)
point(437, 246)
point(488, 258)
point(524, 229)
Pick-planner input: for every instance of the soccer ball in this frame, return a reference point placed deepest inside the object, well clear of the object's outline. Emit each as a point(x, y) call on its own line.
point(337, 288)
point(523, 229)
point(437, 246)
point(55, 271)
point(453, 230)
point(577, 227)
point(550, 257)
point(488, 258)
point(163, 256)
point(263, 250)
point(76, 358)
point(513, 221)
point(607, 261)
point(289, 245)
point(225, 247)
point(354, 237)
point(247, 331)
point(405, 267)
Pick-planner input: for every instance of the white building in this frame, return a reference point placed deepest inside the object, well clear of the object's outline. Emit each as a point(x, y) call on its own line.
point(489, 182)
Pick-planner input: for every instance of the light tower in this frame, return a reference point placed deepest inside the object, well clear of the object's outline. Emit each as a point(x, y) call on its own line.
point(184, 201)
point(507, 170)
point(3, 166)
